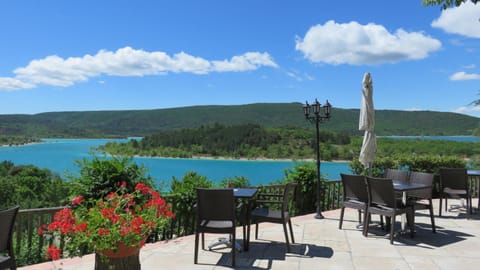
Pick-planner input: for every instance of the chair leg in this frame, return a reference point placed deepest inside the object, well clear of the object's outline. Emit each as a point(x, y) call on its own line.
point(256, 230)
point(342, 211)
point(432, 219)
point(392, 225)
point(203, 241)
point(359, 216)
point(381, 223)
point(440, 208)
point(291, 230)
point(195, 258)
point(411, 222)
point(233, 247)
point(366, 221)
point(286, 236)
point(446, 203)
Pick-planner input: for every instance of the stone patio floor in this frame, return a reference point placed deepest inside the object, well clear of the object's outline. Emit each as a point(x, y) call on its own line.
point(319, 244)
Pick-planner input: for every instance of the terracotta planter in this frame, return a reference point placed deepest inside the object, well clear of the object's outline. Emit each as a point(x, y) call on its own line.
point(122, 251)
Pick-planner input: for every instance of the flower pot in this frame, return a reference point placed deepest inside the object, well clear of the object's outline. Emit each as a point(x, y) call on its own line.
point(124, 258)
point(122, 251)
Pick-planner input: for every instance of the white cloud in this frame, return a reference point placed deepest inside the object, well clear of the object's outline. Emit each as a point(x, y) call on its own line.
point(245, 62)
point(299, 77)
point(356, 44)
point(470, 66)
point(13, 84)
point(463, 76)
point(472, 110)
point(56, 71)
point(463, 20)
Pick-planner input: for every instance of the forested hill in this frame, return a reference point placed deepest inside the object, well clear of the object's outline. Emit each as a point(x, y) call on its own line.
point(144, 122)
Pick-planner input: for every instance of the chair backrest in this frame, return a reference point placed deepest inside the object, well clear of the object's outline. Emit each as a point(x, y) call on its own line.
point(453, 178)
point(354, 187)
point(215, 204)
point(7, 220)
point(381, 192)
point(398, 176)
point(421, 178)
point(276, 196)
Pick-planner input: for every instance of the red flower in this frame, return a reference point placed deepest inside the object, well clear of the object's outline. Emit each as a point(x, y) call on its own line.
point(81, 227)
point(103, 231)
point(77, 200)
point(53, 252)
point(143, 188)
point(109, 213)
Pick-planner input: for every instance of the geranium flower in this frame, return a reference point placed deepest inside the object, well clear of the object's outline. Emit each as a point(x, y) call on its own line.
point(119, 217)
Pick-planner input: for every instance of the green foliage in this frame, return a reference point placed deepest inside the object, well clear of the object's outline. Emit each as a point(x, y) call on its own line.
point(30, 186)
point(184, 191)
point(305, 175)
point(101, 176)
point(446, 3)
point(235, 182)
point(146, 122)
point(425, 163)
point(16, 140)
point(243, 141)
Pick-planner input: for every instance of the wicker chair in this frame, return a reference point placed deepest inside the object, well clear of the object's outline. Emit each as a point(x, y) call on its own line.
point(422, 198)
point(398, 176)
point(354, 196)
point(454, 184)
point(272, 206)
point(7, 220)
point(382, 201)
point(215, 214)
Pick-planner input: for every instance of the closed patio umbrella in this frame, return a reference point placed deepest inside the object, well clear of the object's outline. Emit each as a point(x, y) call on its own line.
point(367, 123)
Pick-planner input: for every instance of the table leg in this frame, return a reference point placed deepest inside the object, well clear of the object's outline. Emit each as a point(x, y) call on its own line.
point(404, 216)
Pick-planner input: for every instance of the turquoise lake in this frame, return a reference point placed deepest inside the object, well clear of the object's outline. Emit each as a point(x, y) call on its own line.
point(59, 155)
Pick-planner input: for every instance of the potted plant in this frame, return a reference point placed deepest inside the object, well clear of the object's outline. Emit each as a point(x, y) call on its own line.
point(114, 226)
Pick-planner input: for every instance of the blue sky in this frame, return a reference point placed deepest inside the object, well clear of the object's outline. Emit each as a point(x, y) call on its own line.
point(118, 55)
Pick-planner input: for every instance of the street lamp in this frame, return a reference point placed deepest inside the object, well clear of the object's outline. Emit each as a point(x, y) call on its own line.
point(314, 115)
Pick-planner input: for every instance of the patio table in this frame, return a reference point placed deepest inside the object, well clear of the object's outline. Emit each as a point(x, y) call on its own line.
point(404, 187)
point(240, 193)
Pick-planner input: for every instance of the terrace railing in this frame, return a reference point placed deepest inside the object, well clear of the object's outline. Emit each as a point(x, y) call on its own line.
point(30, 247)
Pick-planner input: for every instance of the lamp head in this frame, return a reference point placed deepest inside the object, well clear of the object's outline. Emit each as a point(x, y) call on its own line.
point(306, 109)
point(327, 109)
point(316, 107)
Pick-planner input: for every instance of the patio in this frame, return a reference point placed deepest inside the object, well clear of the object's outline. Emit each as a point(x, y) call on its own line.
point(321, 245)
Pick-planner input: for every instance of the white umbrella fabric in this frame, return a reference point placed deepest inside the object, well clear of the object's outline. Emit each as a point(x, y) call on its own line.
point(367, 123)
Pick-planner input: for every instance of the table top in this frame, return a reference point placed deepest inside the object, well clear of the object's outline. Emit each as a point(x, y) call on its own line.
point(244, 193)
point(409, 186)
point(473, 172)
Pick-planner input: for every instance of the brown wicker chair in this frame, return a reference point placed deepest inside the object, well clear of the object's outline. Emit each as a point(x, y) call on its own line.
point(422, 198)
point(382, 201)
point(354, 195)
point(272, 206)
point(398, 176)
point(7, 220)
point(454, 184)
point(215, 214)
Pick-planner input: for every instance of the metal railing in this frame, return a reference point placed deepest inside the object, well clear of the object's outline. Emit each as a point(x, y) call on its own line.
point(30, 247)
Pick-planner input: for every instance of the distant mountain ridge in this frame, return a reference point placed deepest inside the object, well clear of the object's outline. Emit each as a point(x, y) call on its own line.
point(144, 122)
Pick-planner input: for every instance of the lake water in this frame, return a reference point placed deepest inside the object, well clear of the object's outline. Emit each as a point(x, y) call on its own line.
point(59, 155)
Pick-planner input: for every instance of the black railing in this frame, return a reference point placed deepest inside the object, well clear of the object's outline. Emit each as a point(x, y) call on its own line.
point(30, 247)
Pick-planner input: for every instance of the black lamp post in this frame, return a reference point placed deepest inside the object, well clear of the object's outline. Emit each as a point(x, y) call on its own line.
point(314, 115)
